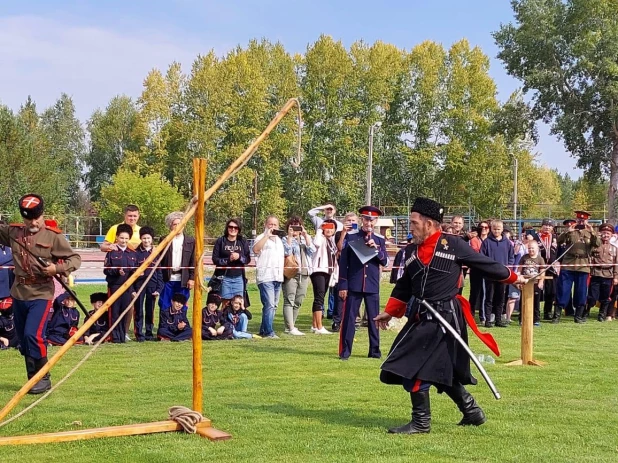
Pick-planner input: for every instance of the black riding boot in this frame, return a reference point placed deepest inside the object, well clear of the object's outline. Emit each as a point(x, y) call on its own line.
point(34, 365)
point(472, 414)
point(421, 415)
point(579, 314)
point(603, 311)
point(557, 315)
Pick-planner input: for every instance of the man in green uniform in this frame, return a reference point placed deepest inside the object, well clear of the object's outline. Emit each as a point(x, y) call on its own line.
point(33, 288)
point(580, 240)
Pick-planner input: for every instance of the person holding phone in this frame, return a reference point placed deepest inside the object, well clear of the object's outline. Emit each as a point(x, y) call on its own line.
point(269, 263)
point(299, 249)
point(580, 240)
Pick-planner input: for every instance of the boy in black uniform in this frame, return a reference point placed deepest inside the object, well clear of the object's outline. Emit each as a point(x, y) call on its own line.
point(119, 265)
point(100, 326)
point(423, 354)
point(64, 320)
point(146, 301)
point(173, 322)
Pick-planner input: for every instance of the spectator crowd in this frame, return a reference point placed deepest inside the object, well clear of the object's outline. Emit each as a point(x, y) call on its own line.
point(343, 260)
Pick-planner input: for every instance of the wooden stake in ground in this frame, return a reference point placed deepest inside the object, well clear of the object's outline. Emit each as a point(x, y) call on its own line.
point(527, 327)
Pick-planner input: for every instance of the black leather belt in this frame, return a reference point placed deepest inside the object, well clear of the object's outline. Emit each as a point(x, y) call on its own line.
point(32, 280)
point(178, 272)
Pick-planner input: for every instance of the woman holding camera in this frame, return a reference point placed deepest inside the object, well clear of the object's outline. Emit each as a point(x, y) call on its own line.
point(325, 271)
point(298, 248)
point(230, 255)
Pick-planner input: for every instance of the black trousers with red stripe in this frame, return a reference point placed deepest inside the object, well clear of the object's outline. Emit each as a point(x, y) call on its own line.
point(31, 319)
point(351, 307)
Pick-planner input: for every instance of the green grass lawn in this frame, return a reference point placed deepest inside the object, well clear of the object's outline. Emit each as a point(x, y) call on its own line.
point(292, 400)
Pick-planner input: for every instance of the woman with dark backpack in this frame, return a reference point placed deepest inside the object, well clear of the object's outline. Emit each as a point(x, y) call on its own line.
point(230, 255)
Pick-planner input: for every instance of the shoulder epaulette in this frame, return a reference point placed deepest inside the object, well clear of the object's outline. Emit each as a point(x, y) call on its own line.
point(378, 235)
point(54, 229)
point(20, 225)
point(353, 232)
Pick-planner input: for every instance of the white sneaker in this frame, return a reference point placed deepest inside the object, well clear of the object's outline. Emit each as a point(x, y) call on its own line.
point(313, 329)
point(296, 332)
point(286, 331)
point(127, 338)
point(322, 331)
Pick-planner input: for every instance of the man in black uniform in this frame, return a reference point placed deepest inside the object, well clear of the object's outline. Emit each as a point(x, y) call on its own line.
point(423, 354)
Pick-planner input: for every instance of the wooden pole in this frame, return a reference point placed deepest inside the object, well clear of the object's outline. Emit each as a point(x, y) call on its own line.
point(527, 327)
point(199, 180)
point(243, 158)
point(110, 431)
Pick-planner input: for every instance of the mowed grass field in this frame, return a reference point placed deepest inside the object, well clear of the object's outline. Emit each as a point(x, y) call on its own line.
point(291, 399)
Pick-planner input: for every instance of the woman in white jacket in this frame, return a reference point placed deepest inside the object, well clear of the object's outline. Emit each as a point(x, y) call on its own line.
point(325, 270)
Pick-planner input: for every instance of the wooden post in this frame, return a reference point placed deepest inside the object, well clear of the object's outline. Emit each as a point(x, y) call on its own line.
point(527, 323)
point(527, 327)
point(199, 180)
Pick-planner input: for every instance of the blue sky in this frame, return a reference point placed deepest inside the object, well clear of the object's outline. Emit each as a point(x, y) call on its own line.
point(94, 50)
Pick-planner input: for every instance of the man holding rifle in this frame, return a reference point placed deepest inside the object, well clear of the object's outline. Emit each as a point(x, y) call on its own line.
point(34, 244)
point(423, 354)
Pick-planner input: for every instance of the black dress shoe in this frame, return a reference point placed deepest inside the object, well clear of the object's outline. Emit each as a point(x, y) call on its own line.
point(336, 327)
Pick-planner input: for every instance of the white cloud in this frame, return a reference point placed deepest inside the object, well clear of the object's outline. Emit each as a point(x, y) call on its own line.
point(44, 57)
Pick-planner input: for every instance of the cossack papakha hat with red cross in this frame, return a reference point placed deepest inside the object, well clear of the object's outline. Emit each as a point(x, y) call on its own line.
point(31, 206)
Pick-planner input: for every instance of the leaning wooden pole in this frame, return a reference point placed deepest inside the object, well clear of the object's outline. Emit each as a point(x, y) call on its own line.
point(231, 170)
point(199, 181)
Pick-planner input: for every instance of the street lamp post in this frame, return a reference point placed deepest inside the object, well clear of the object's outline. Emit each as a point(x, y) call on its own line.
point(515, 198)
point(370, 163)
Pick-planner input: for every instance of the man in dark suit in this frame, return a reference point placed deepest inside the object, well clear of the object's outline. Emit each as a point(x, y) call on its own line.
point(359, 280)
point(178, 264)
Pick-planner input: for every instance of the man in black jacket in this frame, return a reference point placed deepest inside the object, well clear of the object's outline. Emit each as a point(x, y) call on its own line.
point(178, 264)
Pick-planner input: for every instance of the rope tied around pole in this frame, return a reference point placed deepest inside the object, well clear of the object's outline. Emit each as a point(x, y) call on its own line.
point(186, 418)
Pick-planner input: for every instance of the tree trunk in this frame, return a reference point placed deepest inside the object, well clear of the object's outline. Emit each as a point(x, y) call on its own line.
point(613, 183)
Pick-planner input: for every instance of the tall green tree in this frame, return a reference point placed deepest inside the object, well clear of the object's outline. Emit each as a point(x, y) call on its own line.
point(66, 146)
point(155, 198)
point(566, 54)
point(112, 138)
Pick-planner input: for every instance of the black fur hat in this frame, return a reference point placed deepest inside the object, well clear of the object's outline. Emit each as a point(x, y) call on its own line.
point(146, 231)
point(98, 297)
point(31, 206)
point(429, 208)
point(179, 297)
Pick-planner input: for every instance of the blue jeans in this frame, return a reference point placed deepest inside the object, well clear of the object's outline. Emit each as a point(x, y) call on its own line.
point(240, 329)
point(269, 295)
point(332, 300)
point(568, 279)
